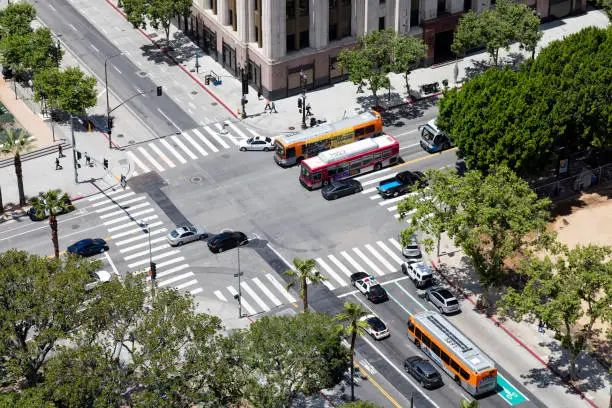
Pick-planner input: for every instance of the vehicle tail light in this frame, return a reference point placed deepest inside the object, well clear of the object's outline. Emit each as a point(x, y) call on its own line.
point(387, 191)
point(376, 334)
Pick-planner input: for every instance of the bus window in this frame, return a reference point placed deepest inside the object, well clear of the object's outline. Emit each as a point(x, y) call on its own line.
point(367, 160)
point(305, 173)
point(417, 333)
point(435, 349)
point(355, 164)
point(291, 152)
point(386, 153)
point(426, 340)
point(377, 156)
point(454, 365)
point(445, 357)
point(331, 171)
point(316, 177)
point(411, 326)
point(369, 129)
point(359, 132)
point(342, 167)
point(464, 374)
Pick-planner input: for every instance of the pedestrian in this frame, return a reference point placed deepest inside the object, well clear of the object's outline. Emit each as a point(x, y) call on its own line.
point(58, 166)
point(273, 107)
point(308, 111)
point(541, 326)
point(268, 107)
point(87, 160)
point(60, 151)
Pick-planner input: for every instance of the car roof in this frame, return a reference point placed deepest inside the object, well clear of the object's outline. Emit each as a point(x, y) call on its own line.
point(445, 293)
point(360, 273)
point(84, 242)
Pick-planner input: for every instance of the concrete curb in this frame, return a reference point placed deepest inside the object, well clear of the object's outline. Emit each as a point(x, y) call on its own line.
point(517, 340)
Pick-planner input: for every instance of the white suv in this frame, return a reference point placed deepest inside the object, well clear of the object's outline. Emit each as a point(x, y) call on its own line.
point(418, 272)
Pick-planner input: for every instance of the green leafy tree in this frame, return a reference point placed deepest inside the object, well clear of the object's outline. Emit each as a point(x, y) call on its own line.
point(157, 13)
point(39, 307)
point(526, 24)
point(569, 293)
point(406, 53)
point(289, 355)
point(30, 397)
point(16, 19)
point(360, 404)
point(16, 142)
point(34, 51)
point(69, 90)
point(305, 270)
point(353, 326)
point(51, 204)
point(469, 404)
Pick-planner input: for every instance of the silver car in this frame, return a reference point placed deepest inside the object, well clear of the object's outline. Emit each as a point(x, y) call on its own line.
point(411, 249)
point(257, 143)
point(443, 299)
point(183, 235)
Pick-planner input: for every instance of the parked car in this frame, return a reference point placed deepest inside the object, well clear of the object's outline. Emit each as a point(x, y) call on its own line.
point(358, 276)
point(376, 327)
point(88, 247)
point(43, 216)
point(227, 240)
point(423, 371)
point(372, 290)
point(183, 235)
point(443, 299)
point(257, 143)
point(341, 188)
point(418, 272)
point(97, 278)
point(412, 249)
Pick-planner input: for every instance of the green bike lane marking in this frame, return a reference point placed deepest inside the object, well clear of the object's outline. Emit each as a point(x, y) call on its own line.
point(510, 394)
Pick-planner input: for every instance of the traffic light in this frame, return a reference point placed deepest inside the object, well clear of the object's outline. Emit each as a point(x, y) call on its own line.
point(299, 103)
point(153, 271)
point(105, 164)
point(159, 91)
point(78, 155)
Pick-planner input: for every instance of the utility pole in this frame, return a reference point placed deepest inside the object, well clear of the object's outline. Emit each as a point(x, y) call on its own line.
point(239, 295)
point(108, 121)
point(303, 83)
point(74, 152)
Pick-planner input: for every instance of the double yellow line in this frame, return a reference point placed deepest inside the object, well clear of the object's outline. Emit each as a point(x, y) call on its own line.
point(374, 383)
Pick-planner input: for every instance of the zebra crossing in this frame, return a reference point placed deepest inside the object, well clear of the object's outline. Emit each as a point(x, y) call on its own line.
point(163, 154)
point(121, 211)
point(379, 258)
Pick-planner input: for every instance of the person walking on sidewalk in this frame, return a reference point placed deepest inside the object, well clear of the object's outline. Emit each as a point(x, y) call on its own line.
point(60, 151)
point(268, 107)
point(541, 326)
point(87, 160)
point(58, 166)
point(273, 107)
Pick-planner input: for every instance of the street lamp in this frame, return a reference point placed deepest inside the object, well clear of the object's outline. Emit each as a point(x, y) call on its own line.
point(108, 122)
point(303, 83)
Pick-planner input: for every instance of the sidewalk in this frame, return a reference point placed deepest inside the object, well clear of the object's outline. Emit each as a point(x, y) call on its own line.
point(536, 360)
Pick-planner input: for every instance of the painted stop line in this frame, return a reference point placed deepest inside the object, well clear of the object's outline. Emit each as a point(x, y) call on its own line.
point(508, 392)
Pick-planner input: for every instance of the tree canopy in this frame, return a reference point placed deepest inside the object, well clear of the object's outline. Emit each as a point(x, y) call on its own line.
point(156, 13)
point(16, 19)
point(561, 99)
point(69, 90)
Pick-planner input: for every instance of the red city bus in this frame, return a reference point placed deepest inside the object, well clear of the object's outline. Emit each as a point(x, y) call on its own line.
point(349, 160)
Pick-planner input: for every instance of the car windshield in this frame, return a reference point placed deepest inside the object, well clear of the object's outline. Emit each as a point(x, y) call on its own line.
point(376, 324)
point(174, 234)
point(280, 150)
point(452, 302)
point(432, 375)
point(428, 133)
point(305, 172)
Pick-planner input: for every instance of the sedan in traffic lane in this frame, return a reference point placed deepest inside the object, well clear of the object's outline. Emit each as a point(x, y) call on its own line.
point(183, 235)
point(88, 247)
point(341, 188)
point(227, 240)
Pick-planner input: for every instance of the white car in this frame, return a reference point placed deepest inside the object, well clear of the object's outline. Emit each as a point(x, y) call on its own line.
point(376, 327)
point(183, 235)
point(257, 143)
point(372, 290)
point(97, 278)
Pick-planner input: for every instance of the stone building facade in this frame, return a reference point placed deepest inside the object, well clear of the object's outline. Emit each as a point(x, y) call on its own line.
point(275, 40)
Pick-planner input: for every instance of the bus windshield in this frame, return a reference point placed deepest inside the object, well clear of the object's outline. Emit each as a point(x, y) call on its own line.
point(428, 133)
point(280, 150)
point(306, 172)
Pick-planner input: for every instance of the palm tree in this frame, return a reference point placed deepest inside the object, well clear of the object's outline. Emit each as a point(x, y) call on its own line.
point(353, 326)
point(17, 141)
point(469, 404)
point(305, 271)
point(52, 203)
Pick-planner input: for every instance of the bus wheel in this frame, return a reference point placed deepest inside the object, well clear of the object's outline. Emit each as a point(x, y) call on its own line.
point(377, 166)
point(325, 182)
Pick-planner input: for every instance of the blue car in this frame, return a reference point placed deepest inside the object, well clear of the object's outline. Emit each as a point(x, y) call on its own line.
point(88, 247)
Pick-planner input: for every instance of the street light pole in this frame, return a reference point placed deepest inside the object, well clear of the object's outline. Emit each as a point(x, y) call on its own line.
point(74, 159)
point(239, 287)
point(303, 82)
point(108, 127)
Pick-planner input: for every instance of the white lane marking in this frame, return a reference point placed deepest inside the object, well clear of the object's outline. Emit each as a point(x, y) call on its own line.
point(393, 200)
point(280, 288)
point(392, 208)
point(235, 128)
point(161, 155)
point(371, 190)
point(267, 292)
point(396, 244)
point(191, 105)
point(146, 261)
point(172, 270)
point(253, 132)
point(368, 262)
point(121, 204)
point(243, 301)
point(128, 217)
point(228, 135)
point(350, 260)
point(112, 264)
point(214, 135)
point(101, 93)
point(378, 179)
point(254, 295)
point(123, 211)
point(173, 151)
point(406, 133)
point(186, 284)
point(410, 296)
point(175, 279)
point(196, 291)
point(138, 162)
point(409, 146)
point(52, 8)
point(389, 252)
point(111, 199)
point(380, 258)
point(170, 262)
point(325, 283)
point(375, 173)
point(220, 296)
point(205, 140)
point(73, 27)
point(117, 69)
point(339, 265)
point(146, 252)
point(331, 271)
point(142, 244)
point(150, 158)
point(105, 195)
point(189, 153)
point(169, 120)
point(131, 223)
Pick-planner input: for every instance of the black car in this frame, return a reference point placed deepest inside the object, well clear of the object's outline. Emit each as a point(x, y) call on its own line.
point(358, 276)
point(423, 371)
point(43, 216)
point(377, 294)
point(87, 247)
point(341, 188)
point(227, 240)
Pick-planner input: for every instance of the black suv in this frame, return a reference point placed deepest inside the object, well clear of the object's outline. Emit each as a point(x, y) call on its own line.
point(227, 240)
point(422, 370)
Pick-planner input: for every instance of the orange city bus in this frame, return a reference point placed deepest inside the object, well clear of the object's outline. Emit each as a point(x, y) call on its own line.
point(350, 160)
point(453, 352)
point(295, 147)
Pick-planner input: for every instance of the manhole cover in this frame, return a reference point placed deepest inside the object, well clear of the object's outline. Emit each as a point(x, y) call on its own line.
point(196, 179)
point(194, 92)
point(142, 73)
point(214, 103)
point(131, 142)
point(120, 135)
point(291, 128)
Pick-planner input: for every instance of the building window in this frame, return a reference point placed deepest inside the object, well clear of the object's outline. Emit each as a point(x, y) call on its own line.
point(333, 4)
point(291, 42)
point(213, 6)
point(381, 23)
point(304, 39)
point(333, 32)
point(381, 2)
point(303, 8)
point(441, 6)
point(255, 5)
point(256, 34)
point(290, 9)
point(467, 5)
point(346, 2)
point(414, 13)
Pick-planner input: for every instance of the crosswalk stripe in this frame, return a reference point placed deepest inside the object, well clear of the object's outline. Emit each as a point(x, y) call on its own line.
point(391, 200)
point(280, 288)
point(186, 284)
point(128, 224)
point(392, 208)
point(121, 204)
point(172, 270)
point(106, 194)
point(220, 296)
point(267, 292)
point(368, 262)
point(396, 244)
point(214, 135)
point(161, 155)
point(235, 128)
point(352, 261)
point(127, 194)
point(331, 271)
point(196, 291)
point(371, 190)
point(243, 301)
point(175, 279)
point(173, 151)
point(142, 244)
point(339, 265)
point(138, 162)
point(150, 158)
point(170, 262)
point(253, 132)
point(228, 134)
point(123, 211)
point(376, 173)
point(380, 258)
point(254, 295)
point(146, 260)
point(128, 217)
point(193, 143)
point(205, 140)
point(146, 252)
point(389, 252)
point(141, 235)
